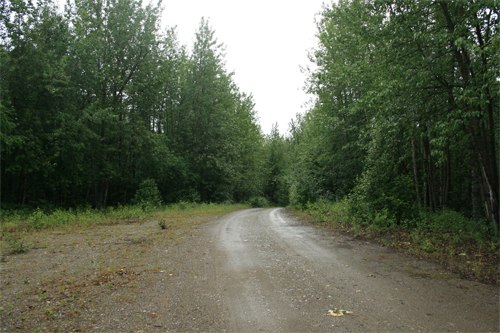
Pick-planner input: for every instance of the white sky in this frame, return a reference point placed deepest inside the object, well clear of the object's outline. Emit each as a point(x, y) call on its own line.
point(266, 43)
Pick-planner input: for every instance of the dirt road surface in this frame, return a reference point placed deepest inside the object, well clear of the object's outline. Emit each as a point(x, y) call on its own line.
point(256, 270)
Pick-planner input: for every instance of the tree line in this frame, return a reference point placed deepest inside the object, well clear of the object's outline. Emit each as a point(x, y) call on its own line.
point(406, 112)
point(96, 100)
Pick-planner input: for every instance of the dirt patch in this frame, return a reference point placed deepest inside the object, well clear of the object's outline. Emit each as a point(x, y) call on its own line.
point(108, 278)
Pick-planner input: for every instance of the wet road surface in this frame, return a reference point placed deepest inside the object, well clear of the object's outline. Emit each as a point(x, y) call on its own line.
point(276, 274)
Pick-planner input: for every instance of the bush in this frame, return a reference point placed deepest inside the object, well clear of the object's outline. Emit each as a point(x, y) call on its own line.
point(258, 202)
point(37, 219)
point(384, 220)
point(330, 212)
point(16, 245)
point(147, 195)
point(451, 226)
point(163, 224)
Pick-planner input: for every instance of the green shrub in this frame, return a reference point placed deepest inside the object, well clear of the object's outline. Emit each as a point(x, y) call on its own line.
point(16, 244)
point(258, 202)
point(384, 220)
point(163, 224)
point(37, 219)
point(330, 212)
point(147, 195)
point(61, 217)
point(183, 205)
point(453, 227)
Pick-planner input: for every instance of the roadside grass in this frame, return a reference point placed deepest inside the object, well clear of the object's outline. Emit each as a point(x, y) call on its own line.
point(465, 246)
point(17, 225)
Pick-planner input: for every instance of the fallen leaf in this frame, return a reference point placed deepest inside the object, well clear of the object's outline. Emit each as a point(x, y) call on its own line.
point(338, 312)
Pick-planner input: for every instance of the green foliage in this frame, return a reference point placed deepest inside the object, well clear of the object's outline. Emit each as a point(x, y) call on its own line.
point(162, 224)
point(452, 227)
point(258, 202)
point(40, 219)
point(275, 166)
point(183, 205)
point(97, 100)
point(403, 121)
point(330, 212)
point(15, 244)
point(445, 231)
point(147, 195)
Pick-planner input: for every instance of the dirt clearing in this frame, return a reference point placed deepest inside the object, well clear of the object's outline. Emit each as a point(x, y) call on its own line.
point(116, 278)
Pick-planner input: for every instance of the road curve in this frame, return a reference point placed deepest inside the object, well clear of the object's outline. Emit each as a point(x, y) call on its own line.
point(276, 274)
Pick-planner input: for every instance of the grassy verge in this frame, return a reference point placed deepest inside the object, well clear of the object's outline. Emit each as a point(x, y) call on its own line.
point(17, 224)
point(465, 246)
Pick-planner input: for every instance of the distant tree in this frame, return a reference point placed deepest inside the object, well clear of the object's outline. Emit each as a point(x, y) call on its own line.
point(275, 181)
point(219, 131)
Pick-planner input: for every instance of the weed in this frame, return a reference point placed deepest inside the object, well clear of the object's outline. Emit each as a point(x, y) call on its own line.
point(50, 313)
point(183, 205)
point(384, 220)
point(16, 245)
point(9, 307)
point(427, 245)
point(37, 219)
point(162, 224)
point(42, 296)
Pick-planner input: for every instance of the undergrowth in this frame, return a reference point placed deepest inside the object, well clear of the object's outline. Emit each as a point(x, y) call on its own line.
point(466, 246)
point(17, 221)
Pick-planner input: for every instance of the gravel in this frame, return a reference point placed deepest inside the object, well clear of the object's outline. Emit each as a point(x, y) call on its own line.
point(253, 270)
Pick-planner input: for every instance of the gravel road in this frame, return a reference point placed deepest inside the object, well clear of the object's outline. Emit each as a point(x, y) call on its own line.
point(281, 275)
point(255, 270)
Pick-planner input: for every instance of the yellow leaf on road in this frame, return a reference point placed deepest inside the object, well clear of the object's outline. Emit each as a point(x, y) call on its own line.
point(338, 312)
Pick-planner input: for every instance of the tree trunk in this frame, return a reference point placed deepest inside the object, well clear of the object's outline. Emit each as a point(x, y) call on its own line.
point(444, 181)
point(105, 196)
point(429, 173)
point(415, 170)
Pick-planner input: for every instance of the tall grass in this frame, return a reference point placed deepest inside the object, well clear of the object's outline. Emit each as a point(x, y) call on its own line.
point(17, 221)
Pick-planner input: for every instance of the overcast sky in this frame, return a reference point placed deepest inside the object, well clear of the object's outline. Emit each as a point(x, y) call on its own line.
point(267, 41)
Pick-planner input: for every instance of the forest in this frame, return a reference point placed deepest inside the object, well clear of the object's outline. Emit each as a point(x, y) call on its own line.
point(97, 100)
point(98, 103)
